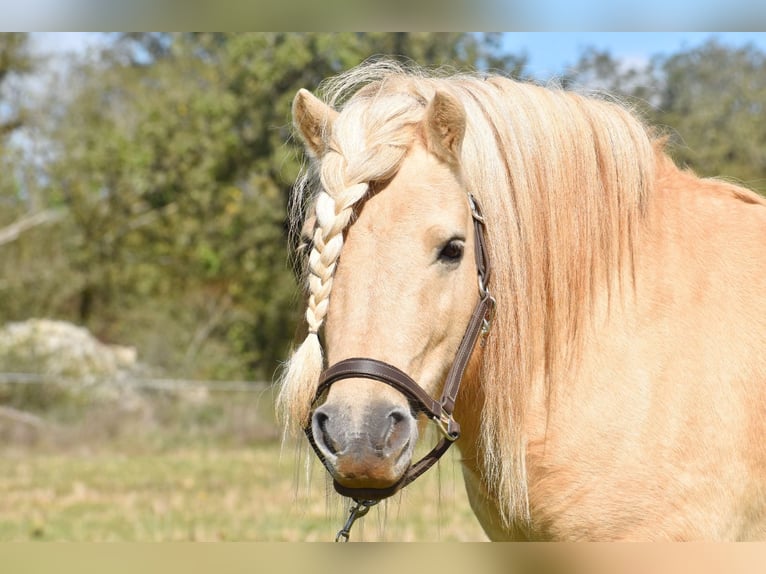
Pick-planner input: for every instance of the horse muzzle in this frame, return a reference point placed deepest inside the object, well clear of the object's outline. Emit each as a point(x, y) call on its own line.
point(371, 453)
point(371, 459)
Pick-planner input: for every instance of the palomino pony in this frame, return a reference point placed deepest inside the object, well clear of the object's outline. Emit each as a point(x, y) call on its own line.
point(620, 393)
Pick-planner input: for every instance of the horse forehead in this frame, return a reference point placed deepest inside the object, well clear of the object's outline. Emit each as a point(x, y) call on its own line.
point(423, 189)
point(420, 166)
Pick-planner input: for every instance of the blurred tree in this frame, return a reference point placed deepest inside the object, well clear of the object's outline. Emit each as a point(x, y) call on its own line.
point(15, 61)
point(598, 71)
point(709, 99)
point(714, 97)
point(30, 257)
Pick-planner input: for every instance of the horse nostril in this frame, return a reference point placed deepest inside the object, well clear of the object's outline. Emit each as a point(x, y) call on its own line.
point(398, 432)
point(396, 417)
point(321, 420)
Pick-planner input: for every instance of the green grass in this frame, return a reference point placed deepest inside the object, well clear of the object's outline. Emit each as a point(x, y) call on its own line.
point(203, 493)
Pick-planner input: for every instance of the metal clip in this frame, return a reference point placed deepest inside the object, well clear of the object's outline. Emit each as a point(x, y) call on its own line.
point(357, 510)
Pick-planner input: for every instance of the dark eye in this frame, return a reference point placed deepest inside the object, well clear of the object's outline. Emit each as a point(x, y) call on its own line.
point(452, 252)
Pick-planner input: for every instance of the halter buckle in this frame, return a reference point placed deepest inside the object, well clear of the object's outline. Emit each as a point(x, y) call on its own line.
point(483, 289)
point(475, 210)
point(448, 426)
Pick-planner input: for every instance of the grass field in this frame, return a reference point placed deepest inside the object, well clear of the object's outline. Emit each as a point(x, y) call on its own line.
point(190, 466)
point(211, 494)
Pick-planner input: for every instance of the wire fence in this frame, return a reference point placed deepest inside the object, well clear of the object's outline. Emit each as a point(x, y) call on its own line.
point(40, 408)
point(137, 382)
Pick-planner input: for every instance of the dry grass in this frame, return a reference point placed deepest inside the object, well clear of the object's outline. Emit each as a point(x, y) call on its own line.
point(166, 466)
point(235, 493)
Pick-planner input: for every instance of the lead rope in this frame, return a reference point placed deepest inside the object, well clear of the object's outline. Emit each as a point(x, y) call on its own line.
point(357, 510)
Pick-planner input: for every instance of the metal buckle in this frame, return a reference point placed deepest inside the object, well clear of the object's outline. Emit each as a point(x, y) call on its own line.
point(483, 289)
point(443, 423)
point(475, 210)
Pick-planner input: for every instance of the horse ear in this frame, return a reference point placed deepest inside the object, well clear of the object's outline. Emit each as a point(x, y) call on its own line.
point(445, 127)
point(313, 119)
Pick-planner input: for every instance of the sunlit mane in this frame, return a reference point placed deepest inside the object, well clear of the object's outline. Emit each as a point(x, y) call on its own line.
point(564, 181)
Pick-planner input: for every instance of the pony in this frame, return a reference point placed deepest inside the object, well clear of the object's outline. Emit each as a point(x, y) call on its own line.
point(621, 391)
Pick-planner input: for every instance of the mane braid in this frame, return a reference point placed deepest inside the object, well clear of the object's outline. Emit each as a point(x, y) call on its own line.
point(564, 181)
point(367, 144)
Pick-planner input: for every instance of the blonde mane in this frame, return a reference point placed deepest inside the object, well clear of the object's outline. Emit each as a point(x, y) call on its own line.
point(564, 181)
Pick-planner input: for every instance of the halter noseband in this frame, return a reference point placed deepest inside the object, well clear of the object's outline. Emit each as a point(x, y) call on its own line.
point(438, 411)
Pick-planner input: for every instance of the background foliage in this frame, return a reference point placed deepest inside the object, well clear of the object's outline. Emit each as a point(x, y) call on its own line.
point(159, 171)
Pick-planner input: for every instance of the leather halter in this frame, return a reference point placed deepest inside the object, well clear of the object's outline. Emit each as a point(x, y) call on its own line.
point(439, 411)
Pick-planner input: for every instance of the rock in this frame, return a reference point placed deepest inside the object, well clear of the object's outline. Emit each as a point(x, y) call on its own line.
point(60, 348)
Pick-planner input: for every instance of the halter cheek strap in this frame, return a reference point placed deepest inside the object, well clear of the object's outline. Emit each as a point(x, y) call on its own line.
point(438, 411)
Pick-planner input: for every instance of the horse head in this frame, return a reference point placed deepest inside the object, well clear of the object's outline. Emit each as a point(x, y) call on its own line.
point(402, 289)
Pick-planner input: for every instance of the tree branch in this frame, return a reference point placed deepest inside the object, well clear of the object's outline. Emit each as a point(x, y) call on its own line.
point(11, 232)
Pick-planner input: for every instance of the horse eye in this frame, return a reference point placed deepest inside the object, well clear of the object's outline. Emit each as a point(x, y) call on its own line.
point(452, 252)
